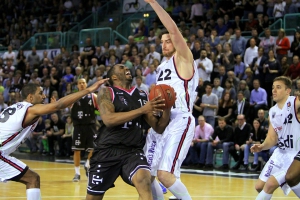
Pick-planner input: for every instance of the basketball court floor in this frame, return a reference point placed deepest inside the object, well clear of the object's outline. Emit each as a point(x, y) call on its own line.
point(56, 183)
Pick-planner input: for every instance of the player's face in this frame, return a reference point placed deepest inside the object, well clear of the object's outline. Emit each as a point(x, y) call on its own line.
point(81, 84)
point(39, 96)
point(167, 46)
point(280, 91)
point(123, 73)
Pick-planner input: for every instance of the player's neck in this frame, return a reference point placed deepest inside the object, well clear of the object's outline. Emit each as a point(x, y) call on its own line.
point(282, 102)
point(125, 86)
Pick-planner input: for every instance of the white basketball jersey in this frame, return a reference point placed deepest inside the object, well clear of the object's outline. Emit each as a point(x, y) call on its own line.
point(185, 89)
point(12, 133)
point(286, 125)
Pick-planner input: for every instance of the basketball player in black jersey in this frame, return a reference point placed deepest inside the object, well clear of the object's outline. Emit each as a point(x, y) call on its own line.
point(84, 118)
point(119, 143)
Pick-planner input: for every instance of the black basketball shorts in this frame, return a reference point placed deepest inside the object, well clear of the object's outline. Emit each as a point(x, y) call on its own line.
point(108, 164)
point(83, 137)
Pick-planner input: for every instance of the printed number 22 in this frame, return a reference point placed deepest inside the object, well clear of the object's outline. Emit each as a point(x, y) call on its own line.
point(288, 119)
point(167, 76)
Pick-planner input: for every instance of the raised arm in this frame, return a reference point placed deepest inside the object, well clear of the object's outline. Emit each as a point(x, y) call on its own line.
point(178, 41)
point(43, 109)
point(111, 118)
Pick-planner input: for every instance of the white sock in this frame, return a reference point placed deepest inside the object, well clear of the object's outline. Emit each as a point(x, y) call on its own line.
point(33, 194)
point(87, 163)
point(179, 190)
point(263, 196)
point(156, 191)
point(296, 190)
point(77, 170)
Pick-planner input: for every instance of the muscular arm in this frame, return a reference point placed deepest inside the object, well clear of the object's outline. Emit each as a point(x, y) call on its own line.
point(111, 118)
point(158, 124)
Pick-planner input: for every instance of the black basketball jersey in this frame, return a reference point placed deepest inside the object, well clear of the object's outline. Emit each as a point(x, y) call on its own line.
point(83, 111)
point(129, 134)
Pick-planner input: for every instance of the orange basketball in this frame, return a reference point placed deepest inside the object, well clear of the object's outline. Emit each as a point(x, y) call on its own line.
point(166, 92)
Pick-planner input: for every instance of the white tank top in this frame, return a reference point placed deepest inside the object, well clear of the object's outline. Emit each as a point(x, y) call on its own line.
point(184, 88)
point(286, 125)
point(12, 133)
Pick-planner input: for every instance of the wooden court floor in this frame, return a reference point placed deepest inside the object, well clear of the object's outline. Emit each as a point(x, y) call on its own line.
point(56, 183)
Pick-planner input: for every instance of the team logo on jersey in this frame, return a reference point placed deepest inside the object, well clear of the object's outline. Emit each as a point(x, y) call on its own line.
point(123, 100)
point(19, 106)
point(286, 142)
point(289, 104)
point(119, 92)
point(142, 93)
point(273, 114)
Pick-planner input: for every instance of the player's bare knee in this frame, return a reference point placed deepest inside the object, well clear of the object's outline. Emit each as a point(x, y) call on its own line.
point(270, 186)
point(259, 187)
point(291, 180)
point(34, 181)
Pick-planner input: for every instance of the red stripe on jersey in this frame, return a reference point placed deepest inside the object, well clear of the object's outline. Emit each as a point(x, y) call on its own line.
point(11, 163)
point(180, 145)
point(112, 94)
point(10, 138)
point(178, 72)
point(130, 91)
point(95, 101)
point(187, 95)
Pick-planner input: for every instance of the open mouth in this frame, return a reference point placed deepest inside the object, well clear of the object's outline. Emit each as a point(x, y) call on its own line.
point(128, 73)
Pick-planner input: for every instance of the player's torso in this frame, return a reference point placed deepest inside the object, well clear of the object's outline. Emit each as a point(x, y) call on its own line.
point(185, 89)
point(12, 133)
point(83, 111)
point(129, 133)
point(286, 125)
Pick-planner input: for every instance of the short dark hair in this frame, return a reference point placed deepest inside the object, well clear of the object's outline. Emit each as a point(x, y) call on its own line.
point(221, 119)
point(28, 89)
point(110, 73)
point(286, 80)
point(163, 32)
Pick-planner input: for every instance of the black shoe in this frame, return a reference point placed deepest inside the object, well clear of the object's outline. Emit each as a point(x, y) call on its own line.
point(236, 166)
point(209, 167)
point(200, 166)
point(223, 167)
point(245, 167)
point(254, 167)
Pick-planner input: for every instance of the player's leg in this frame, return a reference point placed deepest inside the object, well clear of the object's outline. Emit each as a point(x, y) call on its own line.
point(142, 182)
point(77, 147)
point(259, 185)
point(293, 175)
point(32, 181)
point(94, 197)
point(88, 140)
point(157, 192)
point(269, 187)
point(179, 135)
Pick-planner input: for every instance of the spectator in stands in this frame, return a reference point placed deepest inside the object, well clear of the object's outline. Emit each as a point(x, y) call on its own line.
point(194, 28)
point(197, 11)
point(259, 8)
point(224, 133)
point(203, 132)
point(99, 55)
point(294, 70)
point(67, 137)
point(45, 64)
point(249, 7)
point(226, 39)
point(251, 23)
point(225, 7)
point(153, 54)
point(98, 75)
point(169, 7)
point(241, 106)
point(257, 65)
point(140, 85)
point(213, 40)
point(258, 97)
point(88, 51)
point(201, 38)
point(237, 24)
point(118, 49)
point(3, 105)
point(271, 69)
point(239, 68)
point(177, 8)
point(254, 35)
point(227, 58)
point(220, 27)
point(217, 89)
point(282, 45)
point(142, 28)
point(284, 65)
point(9, 55)
point(290, 7)
point(264, 122)
point(222, 75)
point(296, 90)
point(158, 47)
point(250, 53)
point(241, 137)
point(36, 137)
point(57, 130)
point(225, 107)
point(229, 88)
point(205, 66)
point(151, 76)
point(278, 10)
point(92, 68)
point(196, 51)
point(238, 44)
point(257, 136)
point(295, 47)
point(268, 42)
point(209, 105)
point(126, 61)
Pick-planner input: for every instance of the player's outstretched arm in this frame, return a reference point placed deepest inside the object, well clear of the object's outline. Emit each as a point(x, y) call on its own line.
point(44, 109)
point(178, 41)
point(270, 141)
point(111, 118)
point(158, 123)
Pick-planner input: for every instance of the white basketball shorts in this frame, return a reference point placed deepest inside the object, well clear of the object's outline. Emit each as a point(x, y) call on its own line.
point(10, 167)
point(277, 166)
point(167, 151)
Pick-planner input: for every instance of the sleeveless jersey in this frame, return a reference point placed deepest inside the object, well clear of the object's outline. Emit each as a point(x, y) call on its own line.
point(286, 125)
point(12, 133)
point(129, 134)
point(185, 89)
point(83, 111)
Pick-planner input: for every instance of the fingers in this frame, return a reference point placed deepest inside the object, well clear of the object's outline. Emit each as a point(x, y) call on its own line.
point(156, 98)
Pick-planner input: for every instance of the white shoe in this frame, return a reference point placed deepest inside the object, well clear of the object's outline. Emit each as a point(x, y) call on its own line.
point(172, 198)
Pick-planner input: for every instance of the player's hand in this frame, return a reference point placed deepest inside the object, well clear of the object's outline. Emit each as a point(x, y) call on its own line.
point(154, 105)
point(149, 1)
point(96, 85)
point(52, 100)
point(256, 148)
point(237, 147)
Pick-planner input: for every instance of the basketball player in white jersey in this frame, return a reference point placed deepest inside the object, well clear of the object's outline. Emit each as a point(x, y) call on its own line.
point(166, 152)
point(283, 131)
point(17, 122)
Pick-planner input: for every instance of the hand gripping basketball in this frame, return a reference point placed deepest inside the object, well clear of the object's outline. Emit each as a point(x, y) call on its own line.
point(166, 92)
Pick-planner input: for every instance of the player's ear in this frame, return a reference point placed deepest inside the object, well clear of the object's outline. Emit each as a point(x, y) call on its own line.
point(114, 77)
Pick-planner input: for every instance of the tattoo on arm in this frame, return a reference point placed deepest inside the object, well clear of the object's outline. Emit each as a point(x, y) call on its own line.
point(105, 102)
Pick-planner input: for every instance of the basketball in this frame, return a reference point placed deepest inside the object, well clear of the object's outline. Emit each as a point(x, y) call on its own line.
point(166, 92)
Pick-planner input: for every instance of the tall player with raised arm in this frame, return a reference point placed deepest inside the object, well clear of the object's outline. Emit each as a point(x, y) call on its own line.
point(283, 131)
point(165, 153)
point(17, 122)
